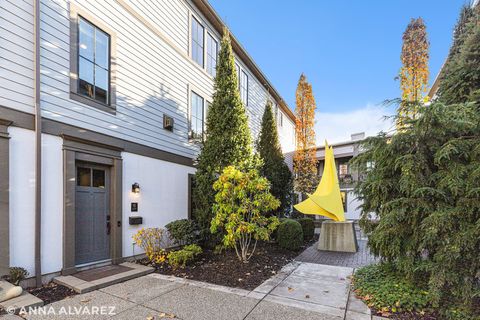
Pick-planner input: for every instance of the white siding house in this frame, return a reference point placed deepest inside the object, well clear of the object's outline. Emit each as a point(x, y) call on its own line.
point(120, 87)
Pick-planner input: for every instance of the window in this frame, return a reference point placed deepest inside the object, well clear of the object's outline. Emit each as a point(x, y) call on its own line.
point(197, 41)
point(93, 62)
point(196, 117)
point(244, 88)
point(343, 169)
point(87, 177)
point(212, 51)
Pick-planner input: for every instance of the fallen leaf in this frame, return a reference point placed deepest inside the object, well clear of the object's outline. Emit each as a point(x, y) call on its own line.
point(85, 300)
point(290, 289)
point(307, 296)
point(150, 318)
point(166, 315)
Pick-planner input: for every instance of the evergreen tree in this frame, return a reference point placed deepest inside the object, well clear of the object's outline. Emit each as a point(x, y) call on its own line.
point(460, 78)
point(424, 186)
point(228, 139)
point(274, 167)
point(304, 162)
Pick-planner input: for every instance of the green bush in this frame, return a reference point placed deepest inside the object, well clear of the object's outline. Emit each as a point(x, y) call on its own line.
point(180, 258)
point(308, 227)
point(16, 275)
point(387, 290)
point(182, 231)
point(290, 234)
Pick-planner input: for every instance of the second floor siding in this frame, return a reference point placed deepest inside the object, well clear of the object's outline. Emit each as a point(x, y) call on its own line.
point(154, 73)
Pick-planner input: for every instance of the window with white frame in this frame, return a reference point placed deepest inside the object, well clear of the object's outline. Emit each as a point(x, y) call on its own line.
point(212, 51)
point(197, 41)
point(244, 87)
point(93, 62)
point(196, 116)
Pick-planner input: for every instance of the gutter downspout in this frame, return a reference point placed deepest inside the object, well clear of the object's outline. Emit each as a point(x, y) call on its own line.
point(38, 143)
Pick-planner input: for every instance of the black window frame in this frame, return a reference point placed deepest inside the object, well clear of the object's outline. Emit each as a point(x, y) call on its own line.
point(191, 134)
point(109, 64)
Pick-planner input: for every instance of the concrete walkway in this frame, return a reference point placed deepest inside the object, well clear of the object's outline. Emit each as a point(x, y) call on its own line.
point(299, 291)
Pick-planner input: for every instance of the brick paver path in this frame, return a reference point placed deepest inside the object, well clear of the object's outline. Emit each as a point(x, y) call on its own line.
point(343, 259)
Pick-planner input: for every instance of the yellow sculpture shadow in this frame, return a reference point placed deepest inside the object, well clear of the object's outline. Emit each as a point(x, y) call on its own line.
point(326, 200)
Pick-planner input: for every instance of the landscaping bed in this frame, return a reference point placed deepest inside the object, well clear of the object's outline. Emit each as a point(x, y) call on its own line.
point(225, 269)
point(51, 292)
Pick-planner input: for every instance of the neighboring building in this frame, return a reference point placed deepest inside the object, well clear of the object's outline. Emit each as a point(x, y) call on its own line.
point(343, 152)
point(122, 88)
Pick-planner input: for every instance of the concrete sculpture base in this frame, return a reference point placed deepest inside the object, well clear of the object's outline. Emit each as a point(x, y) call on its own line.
point(338, 236)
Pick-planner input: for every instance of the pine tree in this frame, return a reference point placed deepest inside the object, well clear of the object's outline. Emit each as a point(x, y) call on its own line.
point(274, 167)
point(304, 162)
point(228, 138)
point(460, 80)
point(414, 72)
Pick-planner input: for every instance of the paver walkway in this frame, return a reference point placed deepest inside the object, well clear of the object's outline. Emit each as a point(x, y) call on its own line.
point(345, 259)
point(299, 291)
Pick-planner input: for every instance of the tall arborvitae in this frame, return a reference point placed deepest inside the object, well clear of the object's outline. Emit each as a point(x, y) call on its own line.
point(228, 139)
point(274, 167)
point(460, 78)
point(304, 162)
point(414, 72)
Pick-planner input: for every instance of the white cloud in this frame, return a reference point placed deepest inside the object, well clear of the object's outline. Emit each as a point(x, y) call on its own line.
point(337, 127)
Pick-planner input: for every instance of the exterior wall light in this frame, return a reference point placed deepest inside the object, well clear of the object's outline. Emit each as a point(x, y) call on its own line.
point(136, 188)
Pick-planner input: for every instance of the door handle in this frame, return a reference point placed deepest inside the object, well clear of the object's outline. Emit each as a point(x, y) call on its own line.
point(108, 227)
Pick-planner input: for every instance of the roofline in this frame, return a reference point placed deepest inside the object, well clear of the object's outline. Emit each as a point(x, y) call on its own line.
point(212, 16)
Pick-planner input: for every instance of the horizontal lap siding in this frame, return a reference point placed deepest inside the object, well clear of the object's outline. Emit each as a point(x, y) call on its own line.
point(16, 55)
point(152, 78)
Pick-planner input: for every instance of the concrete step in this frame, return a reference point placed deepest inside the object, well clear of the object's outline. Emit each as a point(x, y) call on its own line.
point(81, 285)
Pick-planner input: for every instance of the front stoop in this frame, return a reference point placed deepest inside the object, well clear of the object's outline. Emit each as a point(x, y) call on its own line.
point(82, 286)
point(22, 302)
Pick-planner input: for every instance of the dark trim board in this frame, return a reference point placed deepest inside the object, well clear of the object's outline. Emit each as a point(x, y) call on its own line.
point(4, 197)
point(26, 121)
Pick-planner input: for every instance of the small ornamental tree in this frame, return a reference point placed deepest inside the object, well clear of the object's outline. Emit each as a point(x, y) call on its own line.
point(274, 167)
point(241, 201)
point(304, 162)
point(228, 140)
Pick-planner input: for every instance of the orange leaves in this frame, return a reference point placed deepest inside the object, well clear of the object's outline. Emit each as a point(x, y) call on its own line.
point(304, 163)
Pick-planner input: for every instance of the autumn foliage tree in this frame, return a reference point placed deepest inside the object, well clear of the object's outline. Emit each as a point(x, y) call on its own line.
point(414, 72)
point(304, 163)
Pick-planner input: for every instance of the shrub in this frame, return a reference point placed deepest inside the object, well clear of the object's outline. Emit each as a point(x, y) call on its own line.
point(290, 234)
point(308, 228)
point(180, 258)
point(16, 275)
point(387, 290)
point(152, 241)
point(241, 202)
point(183, 231)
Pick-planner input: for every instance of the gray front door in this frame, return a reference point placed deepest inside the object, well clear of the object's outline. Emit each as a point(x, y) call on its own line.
point(92, 214)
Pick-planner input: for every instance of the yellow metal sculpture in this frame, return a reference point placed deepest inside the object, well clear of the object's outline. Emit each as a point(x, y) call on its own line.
point(326, 200)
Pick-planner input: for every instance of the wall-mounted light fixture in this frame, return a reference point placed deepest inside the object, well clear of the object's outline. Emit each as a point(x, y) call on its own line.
point(136, 188)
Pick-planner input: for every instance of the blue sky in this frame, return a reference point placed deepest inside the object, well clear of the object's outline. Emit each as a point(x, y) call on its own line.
point(349, 50)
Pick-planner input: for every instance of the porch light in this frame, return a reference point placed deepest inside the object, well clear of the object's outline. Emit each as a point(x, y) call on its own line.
point(136, 188)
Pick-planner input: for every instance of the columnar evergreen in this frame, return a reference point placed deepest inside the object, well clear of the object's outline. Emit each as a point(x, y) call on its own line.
point(460, 80)
point(274, 167)
point(228, 138)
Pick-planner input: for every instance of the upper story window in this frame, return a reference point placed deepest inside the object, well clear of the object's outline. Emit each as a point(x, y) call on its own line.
point(197, 41)
point(244, 87)
point(196, 116)
point(93, 62)
point(212, 51)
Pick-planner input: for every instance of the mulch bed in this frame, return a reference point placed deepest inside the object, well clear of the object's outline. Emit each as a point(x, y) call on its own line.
point(51, 292)
point(225, 269)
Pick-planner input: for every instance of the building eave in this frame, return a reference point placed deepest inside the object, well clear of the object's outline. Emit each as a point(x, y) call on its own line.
point(212, 16)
